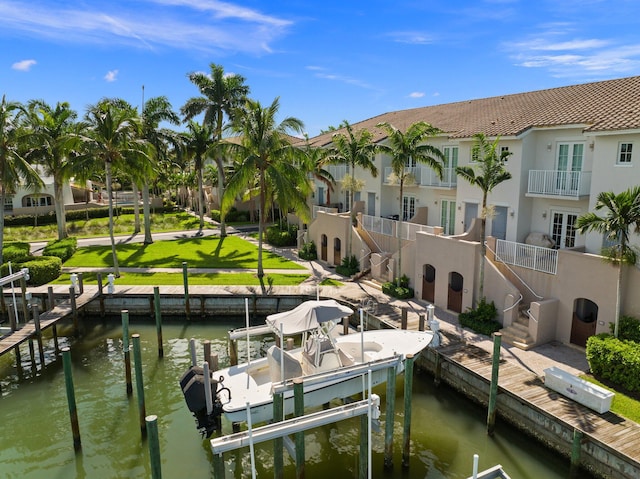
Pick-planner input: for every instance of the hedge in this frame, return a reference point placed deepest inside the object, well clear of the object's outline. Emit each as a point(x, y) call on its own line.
point(285, 235)
point(628, 328)
point(349, 266)
point(615, 360)
point(398, 289)
point(482, 319)
point(63, 249)
point(42, 269)
point(15, 251)
point(308, 251)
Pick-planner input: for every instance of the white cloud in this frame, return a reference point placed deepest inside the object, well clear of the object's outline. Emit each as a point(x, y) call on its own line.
point(23, 65)
point(111, 76)
point(412, 37)
point(416, 94)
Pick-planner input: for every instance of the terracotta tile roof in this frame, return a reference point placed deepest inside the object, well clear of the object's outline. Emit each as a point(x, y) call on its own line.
point(599, 106)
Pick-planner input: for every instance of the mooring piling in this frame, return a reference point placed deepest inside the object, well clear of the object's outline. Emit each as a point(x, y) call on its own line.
point(278, 442)
point(74, 309)
point(126, 350)
point(185, 277)
point(51, 299)
point(137, 359)
point(192, 349)
point(388, 427)
point(576, 449)
point(406, 430)
point(298, 408)
point(71, 398)
point(158, 313)
point(493, 388)
point(36, 323)
point(100, 294)
point(154, 446)
point(207, 352)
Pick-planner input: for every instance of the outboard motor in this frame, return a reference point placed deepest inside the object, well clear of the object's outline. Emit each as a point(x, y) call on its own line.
point(193, 386)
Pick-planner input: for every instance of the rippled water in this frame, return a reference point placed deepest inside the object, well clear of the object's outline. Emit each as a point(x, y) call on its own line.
point(36, 440)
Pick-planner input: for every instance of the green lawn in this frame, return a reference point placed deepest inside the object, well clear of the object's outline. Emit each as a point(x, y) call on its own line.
point(209, 252)
point(622, 404)
point(176, 279)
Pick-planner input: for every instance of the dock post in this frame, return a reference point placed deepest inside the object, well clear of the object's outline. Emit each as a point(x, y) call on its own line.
point(404, 320)
point(345, 325)
point(214, 362)
point(100, 294)
point(80, 283)
point(363, 463)
point(298, 407)
point(218, 466)
point(493, 391)
point(125, 349)
point(154, 446)
point(207, 352)
point(158, 312)
point(51, 300)
point(406, 430)
point(576, 448)
point(36, 323)
point(192, 350)
point(19, 361)
point(13, 321)
point(54, 332)
point(137, 359)
point(74, 308)
point(71, 398)
point(389, 419)
point(185, 277)
point(233, 351)
point(32, 356)
point(438, 369)
point(421, 322)
point(25, 305)
point(278, 442)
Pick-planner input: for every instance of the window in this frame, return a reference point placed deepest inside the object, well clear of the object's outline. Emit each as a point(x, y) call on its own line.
point(624, 153)
point(8, 203)
point(563, 230)
point(33, 201)
point(504, 153)
point(408, 207)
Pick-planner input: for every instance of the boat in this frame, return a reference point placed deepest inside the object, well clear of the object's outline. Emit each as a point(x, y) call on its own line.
point(331, 365)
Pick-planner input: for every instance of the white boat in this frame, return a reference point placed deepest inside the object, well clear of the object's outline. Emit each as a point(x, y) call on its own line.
point(331, 365)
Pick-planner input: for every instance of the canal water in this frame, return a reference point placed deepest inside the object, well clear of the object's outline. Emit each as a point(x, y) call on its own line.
point(36, 442)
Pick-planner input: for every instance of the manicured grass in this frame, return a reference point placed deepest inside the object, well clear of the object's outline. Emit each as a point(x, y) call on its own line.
point(176, 279)
point(209, 252)
point(123, 224)
point(622, 404)
point(330, 282)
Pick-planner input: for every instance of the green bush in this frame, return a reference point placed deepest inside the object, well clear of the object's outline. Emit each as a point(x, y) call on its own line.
point(282, 235)
point(349, 266)
point(15, 251)
point(42, 269)
point(63, 248)
point(615, 360)
point(403, 291)
point(482, 319)
point(233, 216)
point(628, 328)
point(308, 251)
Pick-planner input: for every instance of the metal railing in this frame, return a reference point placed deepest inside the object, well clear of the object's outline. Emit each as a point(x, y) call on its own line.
point(388, 227)
point(324, 209)
point(528, 256)
point(425, 176)
point(338, 171)
point(559, 183)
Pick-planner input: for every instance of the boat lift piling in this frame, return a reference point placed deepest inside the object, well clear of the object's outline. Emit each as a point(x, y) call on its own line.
point(154, 447)
point(185, 277)
point(406, 431)
point(71, 398)
point(126, 351)
point(388, 429)
point(158, 315)
point(137, 357)
point(36, 322)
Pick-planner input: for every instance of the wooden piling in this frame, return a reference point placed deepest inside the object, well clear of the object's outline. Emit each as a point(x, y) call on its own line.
point(185, 278)
point(493, 387)
point(51, 299)
point(207, 352)
point(389, 420)
point(421, 322)
point(25, 304)
point(233, 352)
point(13, 321)
point(438, 369)
point(406, 430)
point(32, 356)
point(154, 446)
point(345, 325)
point(74, 309)
point(363, 462)
point(80, 283)
point(56, 345)
point(71, 398)
point(100, 294)
point(298, 407)
point(214, 362)
point(125, 350)
point(38, 331)
point(404, 320)
point(576, 448)
point(278, 442)
point(158, 312)
point(19, 361)
point(218, 466)
point(137, 360)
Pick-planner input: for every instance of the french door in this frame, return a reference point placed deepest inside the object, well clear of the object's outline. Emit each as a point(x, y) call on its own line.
point(448, 216)
point(563, 230)
point(569, 166)
point(408, 207)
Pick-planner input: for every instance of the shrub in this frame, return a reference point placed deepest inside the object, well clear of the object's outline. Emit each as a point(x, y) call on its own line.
point(282, 235)
point(403, 291)
point(349, 266)
point(482, 319)
point(16, 251)
point(63, 249)
point(615, 360)
point(42, 269)
point(308, 251)
point(628, 328)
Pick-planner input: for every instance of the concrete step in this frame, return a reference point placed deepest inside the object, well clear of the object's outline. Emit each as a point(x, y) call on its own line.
point(517, 337)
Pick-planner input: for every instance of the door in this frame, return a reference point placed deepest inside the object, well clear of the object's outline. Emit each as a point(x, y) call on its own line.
point(563, 230)
point(428, 283)
point(371, 204)
point(585, 319)
point(408, 207)
point(321, 195)
point(499, 222)
point(450, 163)
point(569, 166)
point(448, 216)
point(470, 212)
point(454, 296)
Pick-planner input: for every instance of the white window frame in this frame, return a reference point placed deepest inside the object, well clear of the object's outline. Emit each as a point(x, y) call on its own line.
point(627, 154)
point(408, 201)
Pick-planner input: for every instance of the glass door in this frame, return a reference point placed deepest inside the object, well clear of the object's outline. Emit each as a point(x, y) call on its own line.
point(408, 207)
point(563, 230)
point(448, 216)
point(569, 167)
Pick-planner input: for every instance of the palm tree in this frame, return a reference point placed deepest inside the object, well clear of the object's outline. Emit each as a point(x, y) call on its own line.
point(113, 139)
point(353, 149)
point(404, 148)
point(51, 139)
point(317, 161)
point(268, 158)
point(196, 144)
point(621, 219)
point(14, 168)
point(221, 95)
point(491, 172)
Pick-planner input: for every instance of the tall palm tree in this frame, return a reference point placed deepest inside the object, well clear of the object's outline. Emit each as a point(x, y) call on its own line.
point(14, 168)
point(222, 94)
point(113, 139)
point(196, 143)
point(318, 162)
point(489, 162)
point(621, 219)
point(268, 157)
point(353, 149)
point(403, 148)
point(51, 141)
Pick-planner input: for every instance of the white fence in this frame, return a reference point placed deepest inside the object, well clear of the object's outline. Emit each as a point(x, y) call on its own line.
point(425, 176)
point(388, 227)
point(559, 183)
point(324, 209)
point(527, 256)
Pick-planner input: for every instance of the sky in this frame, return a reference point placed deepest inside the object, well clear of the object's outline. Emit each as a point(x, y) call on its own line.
point(327, 61)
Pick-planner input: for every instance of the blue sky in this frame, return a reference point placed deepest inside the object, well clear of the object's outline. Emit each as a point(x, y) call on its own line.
point(327, 60)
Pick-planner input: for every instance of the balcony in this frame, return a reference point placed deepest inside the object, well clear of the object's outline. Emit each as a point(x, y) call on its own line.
point(425, 176)
point(338, 171)
point(566, 184)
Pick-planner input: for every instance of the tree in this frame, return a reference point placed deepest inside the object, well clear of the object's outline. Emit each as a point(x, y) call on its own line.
point(489, 163)
point(353, 149)
point(621, 219)
point(51, 144)
point(14, 168)
point(222, 94)
point(113, 139)
point(404, 148)
point(317, 158)
point(268, 158)
point(197, 142)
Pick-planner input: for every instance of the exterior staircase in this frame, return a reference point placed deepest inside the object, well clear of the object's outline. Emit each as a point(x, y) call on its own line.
point(518, 333)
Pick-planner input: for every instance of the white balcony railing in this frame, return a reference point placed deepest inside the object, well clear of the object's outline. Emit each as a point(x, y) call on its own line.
point(338, 171)
point(527, 256)
point(425, 176)
point(388, 227)
point(324, 209)
point(559, 183)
